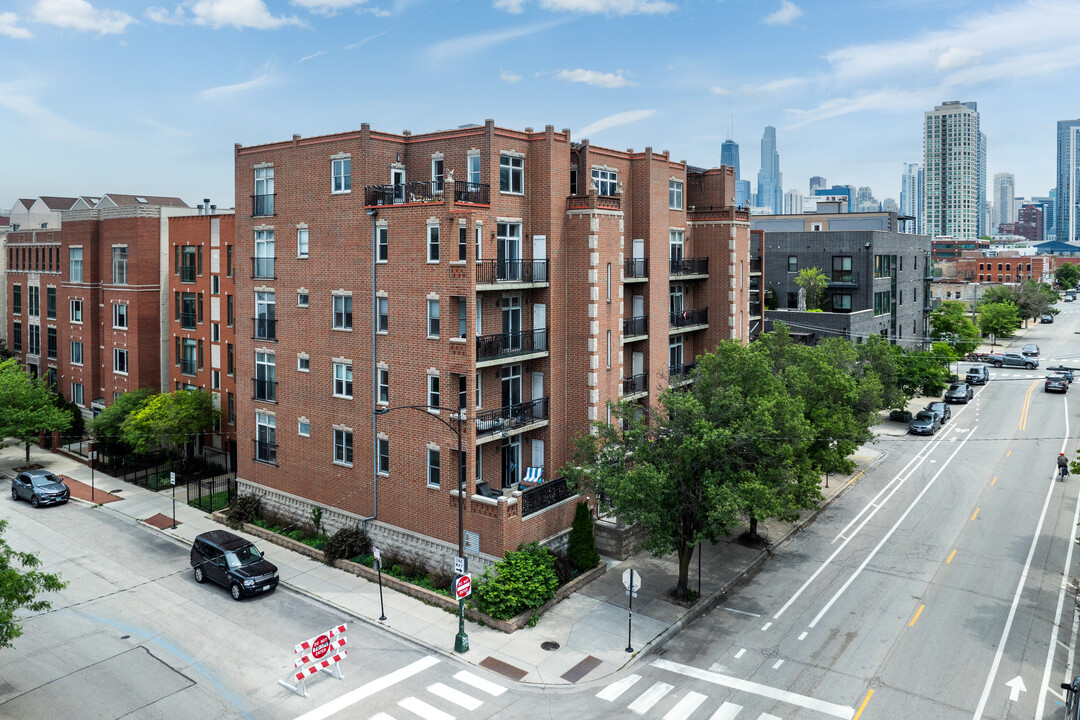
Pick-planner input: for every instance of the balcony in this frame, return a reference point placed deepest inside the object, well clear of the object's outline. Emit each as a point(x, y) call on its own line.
point(680, 373)
point(494, 272)
point(265, 452)
point(265, 329)
point(423, 191)
point(262, 268)
point(262, 205)
point(755, 310)
point(188, 366)
point(594, 202)
point(635, 327)
point(689, 318)
point(684, 267)
point(511, 418)
point(265, 390)
point(188, 320)
point(472, 193)
point(510, 345)
point(544, 495)
point(635, 384)
point(844, 279)
point(636, 269)
point(187, 273)
point(755, 265)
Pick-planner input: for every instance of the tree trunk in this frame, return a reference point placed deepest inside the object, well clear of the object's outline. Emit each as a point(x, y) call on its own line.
point(686, 552)
point(752, 532)
point(28, 454)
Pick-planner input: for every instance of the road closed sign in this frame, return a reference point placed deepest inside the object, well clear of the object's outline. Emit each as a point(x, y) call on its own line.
point(463, 587)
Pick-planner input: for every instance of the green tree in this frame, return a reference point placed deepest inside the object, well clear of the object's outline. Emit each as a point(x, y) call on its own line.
point(814, 282)
point(951, 323)
point(1034, 299)
point(1000, 318)
point(880, 360)
point(20, 584)
point(169, 421)
point(925, 372)
point(106, 427)
point(581, 550)
point(1067, 274)
point(28, 408)
point(999, 294)
point(6, 353)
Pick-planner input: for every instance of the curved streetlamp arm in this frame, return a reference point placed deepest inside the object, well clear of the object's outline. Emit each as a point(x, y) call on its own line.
point(457, 415)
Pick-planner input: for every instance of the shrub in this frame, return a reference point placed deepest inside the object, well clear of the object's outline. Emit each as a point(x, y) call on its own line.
point(582, 547)
point(245, 508)
point(346, 543)
point(523, 580)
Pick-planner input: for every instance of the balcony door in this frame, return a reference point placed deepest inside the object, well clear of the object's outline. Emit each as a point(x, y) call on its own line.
point(638, 304)
point(511, 461)
point(511, 386)
point(397, 179)
point(539, 256)
point(675, 300)
point(675, 355)
point(264, 254)
point(511, 323)
point(508, 251)
point(637, 363)
point(539, 327)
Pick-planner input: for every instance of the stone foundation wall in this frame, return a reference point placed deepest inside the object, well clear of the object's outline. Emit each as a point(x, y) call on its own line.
point(615, 540)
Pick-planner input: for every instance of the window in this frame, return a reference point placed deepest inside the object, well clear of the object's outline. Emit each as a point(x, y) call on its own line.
point(384, 315)
point(463, 242)
point(605, 181)
point(120, 315)
point(479, 240)
point(384, 456)
point(675, 194)
point(883, 266)
point(75, 264)
point(301, 242)
point(343, 380)
point(76, 353)
point(232, 409)
point(384, 385)
point(303, 363)
point(230, 359)
point(383, 233)
point(33, 301)
point(186, 263)
point(229, 310)
point(265, 322)
point(463, 391)
point(881, 303)
point(189, 357)
point(303, 427)
point(77, 393)
point(265, 438)
point(16, 336)
point(474, 168)
point(841, 269)
point(50, 303)
point(479, 393)
point(16, 300)
point(51, 344)
point(265, 376)
point(343, 312)
point(841, 303)
point(433, 318)
point(215, 379)
point(433, 243)
point(793, 263)
point(120, 360)
point(188, 311)
point(608, 282)
point(462, 307)
point(301, 299)
point(437, 175)
point(33, 340)
point(341, 170)
point(433, 467)
point(608, 349)
point(433, 391)
point(343, 446)
point(264, 191)
point(215, 285)
point(119, 266)
point(511, 174)
point(215, 332)
point(228, 261)
point(263, 262)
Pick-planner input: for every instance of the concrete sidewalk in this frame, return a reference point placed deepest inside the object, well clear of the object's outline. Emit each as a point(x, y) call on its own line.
point(587, 632)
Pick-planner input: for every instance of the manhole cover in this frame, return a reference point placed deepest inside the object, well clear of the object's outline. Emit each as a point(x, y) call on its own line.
point(549, 645)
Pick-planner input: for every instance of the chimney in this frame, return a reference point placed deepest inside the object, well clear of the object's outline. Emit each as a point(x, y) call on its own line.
point(213, 210)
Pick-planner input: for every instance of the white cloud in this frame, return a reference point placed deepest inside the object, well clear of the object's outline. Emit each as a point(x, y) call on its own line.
point(81, 15)
point(9, 26)
point(310, 57)
point(717, 90)
point(459, 47)
point(163, 16)
point(327, 7)
point(775, 86)
point(955, 58)
point(595, 78)
point(787, 14)
point(593, 7)
point(509, 77)
point(238, 14)
point(263, 79)
point(365, 41)
point(623, 118)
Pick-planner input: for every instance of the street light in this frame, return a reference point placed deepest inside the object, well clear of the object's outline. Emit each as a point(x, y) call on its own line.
point(461, 641)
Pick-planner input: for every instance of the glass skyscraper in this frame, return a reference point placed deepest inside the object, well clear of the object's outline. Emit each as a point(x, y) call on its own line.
point(770, 192)
point(1067, 196)
point(729, 155)
point(911, 198)
point(954, 171)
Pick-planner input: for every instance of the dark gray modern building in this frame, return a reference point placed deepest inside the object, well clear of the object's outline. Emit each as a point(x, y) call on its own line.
point(878, 282)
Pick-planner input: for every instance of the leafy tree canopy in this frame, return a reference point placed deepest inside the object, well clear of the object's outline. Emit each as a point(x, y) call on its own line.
point(106, 427)
point(951, 323)
point(169, 420)
point(1068, 275)
point(1000, 318)
point(28, 407)
point(20, 584)
point(814, 282)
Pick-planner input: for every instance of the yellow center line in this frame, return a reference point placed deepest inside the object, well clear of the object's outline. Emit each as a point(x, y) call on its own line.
point(950, 557)
point(1008, 453)
point(993, 481)
point(862, 707)
point(1027, 405)
point(976, 514)
point(917, 614)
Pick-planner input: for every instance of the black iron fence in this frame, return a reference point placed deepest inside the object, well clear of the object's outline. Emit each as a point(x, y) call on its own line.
point(500, 345)
point(688, 266)
point(469, 192)
point(635, 384)
point(696, 316)
point(187, 273)
point(844, 278)
point(265, 390)
point(680, 372)
point(511, 417)
point(755, 264)
point(489, 272)
point(422, 191)
point(636, 326)
point(211, 494)
point(265, 328)
point(636, 268)
point(544, 495)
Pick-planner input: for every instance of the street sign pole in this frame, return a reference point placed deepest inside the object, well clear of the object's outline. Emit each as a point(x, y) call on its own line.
point(378, 566)
point(172, 481)
point(629, 611)
point(93, 458)
point(463, 588)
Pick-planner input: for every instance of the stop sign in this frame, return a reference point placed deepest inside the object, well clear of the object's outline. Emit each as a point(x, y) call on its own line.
point(320, 647)
point(463, 587)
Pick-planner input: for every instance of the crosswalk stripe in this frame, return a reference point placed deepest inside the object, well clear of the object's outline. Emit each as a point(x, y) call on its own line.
point(381, 716)
point(727, 711)
point(650, 697)
point(686, 706)
point(480, 683)
point(378, 684)
point(455, 696)
point(767, 716)
point(616, 689)
point(421, 708)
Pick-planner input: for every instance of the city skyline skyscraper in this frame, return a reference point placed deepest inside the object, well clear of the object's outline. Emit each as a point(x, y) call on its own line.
point(816, 183)
point(1004, 200)
point(770, 192)
point(1067, 195)
point(729, 155)
point(911, 198)
point(980, 179)
point(954, 153)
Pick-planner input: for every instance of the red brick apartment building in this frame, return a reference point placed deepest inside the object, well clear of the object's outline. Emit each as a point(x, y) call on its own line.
point(1003, 266)
point(518, 280)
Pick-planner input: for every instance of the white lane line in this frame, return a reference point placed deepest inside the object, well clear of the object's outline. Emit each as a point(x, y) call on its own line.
point(885, 539)
point(767, 716)
point(354, 696)
point(802, 635)
point(727, 711)
point(455, 696)
point(740, 653)
point(767, 626)
point(778, 664)
point(741, 612)
point(382, 716)
point(650, 697)
point(1015, 603)
point(418, 707)
point(615, 689)
point(841, 711)
point(480, 683)
point(874, 502)
point(686, 706)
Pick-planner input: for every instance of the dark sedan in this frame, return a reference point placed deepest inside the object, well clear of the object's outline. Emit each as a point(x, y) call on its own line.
point(40, 487)
point(942, 409)
point(1056, 383)
point(1030, 350)
point(959, 393)
point(925, 422)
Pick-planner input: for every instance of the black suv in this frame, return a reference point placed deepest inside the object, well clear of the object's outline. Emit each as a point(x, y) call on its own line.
point(233, 562)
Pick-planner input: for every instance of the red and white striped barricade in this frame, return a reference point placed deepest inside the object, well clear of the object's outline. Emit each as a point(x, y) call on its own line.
point(320, 653)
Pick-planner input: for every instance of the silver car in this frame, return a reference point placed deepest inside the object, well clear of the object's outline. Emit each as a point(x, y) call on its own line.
point(40, 487)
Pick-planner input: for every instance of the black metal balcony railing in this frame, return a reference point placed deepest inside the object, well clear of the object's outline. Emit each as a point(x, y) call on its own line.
point(262, 205)
point(187, 273)
point(844, 278)
point(503, 345)
point(755, 309)
point(266, 452)
point(635, 326)
point(688, 266)
point(265, 390)
point(188, 366)
point(489, 272)
point(474, 193)
point(188, 320)
point(680, 372)
point(544, 495)
point(755, 264)
point(262, 267)
point(697, 316)
point(265, 328)
point(511, 417)
point(636, 268)
point(423, 191)
point(635, 384)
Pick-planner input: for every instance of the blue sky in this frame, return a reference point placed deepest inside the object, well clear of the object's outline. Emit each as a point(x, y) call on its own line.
point(121, 96)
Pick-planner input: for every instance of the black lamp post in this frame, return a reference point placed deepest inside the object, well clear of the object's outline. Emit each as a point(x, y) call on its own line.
point(461, 641)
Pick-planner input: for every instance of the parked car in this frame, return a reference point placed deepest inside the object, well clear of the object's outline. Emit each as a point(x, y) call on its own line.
point(1030, 350)
point(1067, 372)
point(1070, 298)
point(959, 393)
point(1056, 383)
point(942, 409)
point(1072, 699)
point(1047, 319)
point(925, 422)
point(1013, 359)
point(232, 562)
point(40, 487)
point(978, 375)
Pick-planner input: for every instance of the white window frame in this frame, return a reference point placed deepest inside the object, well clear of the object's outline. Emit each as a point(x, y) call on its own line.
point(340, 175)
point(119, 265)
point(514, 165)
point(72, 353)
point(479, 390)
point(345, 312)
point(434, 455)
point(302, 299)
point(76, 315)
point(118, 315)
point(438, 167)
point(303, 427)
point(302, 237)
point(343, 380)
point(303, 363)
point(433, 253)
point(605, 180)
point(474, 168)
point(383, 375)
point(75, 264)
point(383, 234)
point(675, 194)
point(117, 354)
point(343, 446)
point(77, 394)
point(382, 304)
point(479, 242)
point(434, 392)
point(433, 318)
point(383, 450)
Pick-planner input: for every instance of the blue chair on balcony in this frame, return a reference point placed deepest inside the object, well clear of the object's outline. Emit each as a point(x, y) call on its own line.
point(533, 477)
